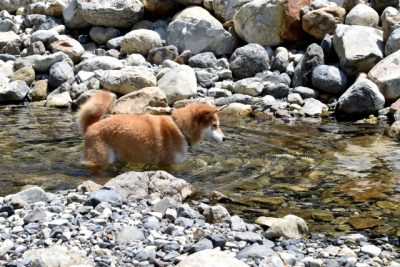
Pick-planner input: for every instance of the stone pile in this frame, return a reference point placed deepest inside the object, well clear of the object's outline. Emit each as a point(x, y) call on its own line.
point(215, 51)
point(139, 219)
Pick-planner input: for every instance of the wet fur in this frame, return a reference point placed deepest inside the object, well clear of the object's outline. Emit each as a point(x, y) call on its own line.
point(151, 139)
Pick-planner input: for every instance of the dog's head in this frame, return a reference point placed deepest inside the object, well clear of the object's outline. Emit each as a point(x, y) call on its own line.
point(208, 119)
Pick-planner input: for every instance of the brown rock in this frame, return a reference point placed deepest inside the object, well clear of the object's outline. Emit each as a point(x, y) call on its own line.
point(39, 90)
point(322, 216)
point(26, 74)
point(183, 57)
point(322, 21)
point(363, 223)
point(293, 29)
point(72, 48)
point(363, 191)
point(137, 101)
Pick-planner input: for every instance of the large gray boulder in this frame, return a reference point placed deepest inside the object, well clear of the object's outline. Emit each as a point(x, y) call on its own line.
point(249, 60)
point(361, 99)
point(329, 79)
point(313, 58)
point(269, 22)
point(195, 29)
point(140, 42)
point(13, 92)
point(386, 75)
point(178, 83)
point(152, 184)
point(112, 13)
point(128, 79)
point(359, 47)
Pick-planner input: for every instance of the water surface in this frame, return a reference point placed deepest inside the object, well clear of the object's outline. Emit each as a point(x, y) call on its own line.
point(329, 173)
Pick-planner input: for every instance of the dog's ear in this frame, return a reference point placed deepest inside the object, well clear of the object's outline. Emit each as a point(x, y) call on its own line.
point(206, 114)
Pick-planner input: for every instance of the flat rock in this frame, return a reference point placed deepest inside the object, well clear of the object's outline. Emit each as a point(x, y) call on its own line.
point(152, 184)
point(363, 223)
point(113, 13)
point(99, 63)
point(128, 79)
point(40, 63)
point(139, 102)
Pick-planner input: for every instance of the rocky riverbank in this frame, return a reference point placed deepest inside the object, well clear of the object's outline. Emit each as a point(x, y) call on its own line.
point(155, 54)
point(139, 219)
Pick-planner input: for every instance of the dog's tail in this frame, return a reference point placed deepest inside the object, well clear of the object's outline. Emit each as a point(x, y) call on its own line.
point(97, 106)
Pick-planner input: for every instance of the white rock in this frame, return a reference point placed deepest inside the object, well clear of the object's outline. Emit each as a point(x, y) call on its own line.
point(127, 80)
point(140, 41)
point(179, 83)
point(371, 250)
point(195, 29)
point(363, 15)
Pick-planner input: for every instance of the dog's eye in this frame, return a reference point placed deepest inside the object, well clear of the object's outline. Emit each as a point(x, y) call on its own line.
point(215, 126)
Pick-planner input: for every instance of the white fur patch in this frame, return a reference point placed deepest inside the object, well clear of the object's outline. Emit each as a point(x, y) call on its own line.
point(213, 134)
point(112, 156)
point(181, 156)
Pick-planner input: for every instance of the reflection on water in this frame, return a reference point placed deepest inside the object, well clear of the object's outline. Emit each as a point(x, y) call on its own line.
point(266, 168)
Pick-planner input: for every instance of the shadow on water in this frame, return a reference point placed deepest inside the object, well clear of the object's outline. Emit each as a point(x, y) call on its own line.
point(325, 172)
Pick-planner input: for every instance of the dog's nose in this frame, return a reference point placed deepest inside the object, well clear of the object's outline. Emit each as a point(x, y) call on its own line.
point(223, 138)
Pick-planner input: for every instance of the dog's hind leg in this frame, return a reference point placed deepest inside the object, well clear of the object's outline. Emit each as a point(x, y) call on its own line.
point(96, 153)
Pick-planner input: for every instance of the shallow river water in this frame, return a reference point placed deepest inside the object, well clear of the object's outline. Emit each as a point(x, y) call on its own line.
point(339, 177)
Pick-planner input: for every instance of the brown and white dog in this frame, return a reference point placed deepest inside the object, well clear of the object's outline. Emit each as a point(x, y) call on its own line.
point(151, 139)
